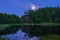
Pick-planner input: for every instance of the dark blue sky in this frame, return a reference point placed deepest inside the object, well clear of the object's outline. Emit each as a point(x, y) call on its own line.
point(19, 6)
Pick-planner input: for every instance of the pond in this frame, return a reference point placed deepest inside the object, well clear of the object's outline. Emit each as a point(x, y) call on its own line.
point(19, 35)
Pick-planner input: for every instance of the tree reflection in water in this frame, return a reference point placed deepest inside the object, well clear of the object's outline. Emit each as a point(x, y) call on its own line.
point(19, 35)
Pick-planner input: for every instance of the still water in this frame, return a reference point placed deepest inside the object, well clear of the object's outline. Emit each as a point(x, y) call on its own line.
point(19, 35)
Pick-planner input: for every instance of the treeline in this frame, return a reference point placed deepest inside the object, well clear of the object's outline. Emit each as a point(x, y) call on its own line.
point(6, 18)
point(42, 15)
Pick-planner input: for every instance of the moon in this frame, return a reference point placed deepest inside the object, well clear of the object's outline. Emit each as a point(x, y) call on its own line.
point(33, 7)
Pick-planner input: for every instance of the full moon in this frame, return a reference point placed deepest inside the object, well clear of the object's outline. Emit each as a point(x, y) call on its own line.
point(33, 7)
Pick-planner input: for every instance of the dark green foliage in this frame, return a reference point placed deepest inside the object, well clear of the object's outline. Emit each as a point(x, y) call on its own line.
point(6, 18)
point(42, 15)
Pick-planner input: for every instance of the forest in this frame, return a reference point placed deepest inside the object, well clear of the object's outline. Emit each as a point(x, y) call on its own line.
point(42, 15)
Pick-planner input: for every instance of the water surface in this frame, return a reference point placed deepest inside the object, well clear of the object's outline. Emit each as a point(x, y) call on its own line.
point(19, 35)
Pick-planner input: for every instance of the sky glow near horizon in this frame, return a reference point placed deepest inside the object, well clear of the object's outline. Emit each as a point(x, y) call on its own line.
point(18, 7)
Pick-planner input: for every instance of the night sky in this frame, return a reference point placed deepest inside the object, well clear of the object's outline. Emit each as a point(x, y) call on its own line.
point(18, 7)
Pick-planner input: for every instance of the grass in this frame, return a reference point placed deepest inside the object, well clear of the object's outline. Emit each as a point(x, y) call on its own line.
point(2, 26)
point(50, 37)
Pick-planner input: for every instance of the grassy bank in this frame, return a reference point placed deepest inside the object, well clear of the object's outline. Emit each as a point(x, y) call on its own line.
point(43, 24)
point(50, 37)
